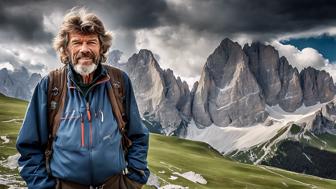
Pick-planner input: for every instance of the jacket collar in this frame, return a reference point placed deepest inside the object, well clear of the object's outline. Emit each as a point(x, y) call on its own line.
point(100, 73)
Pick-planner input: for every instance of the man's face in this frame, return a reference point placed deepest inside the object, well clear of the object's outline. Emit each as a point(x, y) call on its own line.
point(84, 52)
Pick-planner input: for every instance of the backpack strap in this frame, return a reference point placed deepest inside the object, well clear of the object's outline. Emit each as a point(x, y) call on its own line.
point(117, 98)
point(57, 87)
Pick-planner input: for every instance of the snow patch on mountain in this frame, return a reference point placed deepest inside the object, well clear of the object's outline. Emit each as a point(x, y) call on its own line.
point(228, 139)
point(278, 114)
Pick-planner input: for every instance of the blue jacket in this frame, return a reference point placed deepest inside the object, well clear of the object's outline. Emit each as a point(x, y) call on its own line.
point(82, 152)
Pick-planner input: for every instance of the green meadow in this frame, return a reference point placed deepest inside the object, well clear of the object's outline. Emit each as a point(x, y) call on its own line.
point(168, 158)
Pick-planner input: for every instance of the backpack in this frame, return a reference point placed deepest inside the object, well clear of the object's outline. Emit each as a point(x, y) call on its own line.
point(57, 89)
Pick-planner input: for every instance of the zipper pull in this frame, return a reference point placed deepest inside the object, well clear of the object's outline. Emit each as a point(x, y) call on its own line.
point(102, 116)
point(88, 111)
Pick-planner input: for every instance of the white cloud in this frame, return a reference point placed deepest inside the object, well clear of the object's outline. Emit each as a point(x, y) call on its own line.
point(301, 58)
point(331, 68)
point(180, 49)
point(305, 57)
point(52, 22)
point(308, 33)
point(37, 58)
point(6, 65)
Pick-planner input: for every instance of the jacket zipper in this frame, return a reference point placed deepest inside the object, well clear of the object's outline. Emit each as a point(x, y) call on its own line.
point(89, 118)
point(90, 121)
point(82, 130)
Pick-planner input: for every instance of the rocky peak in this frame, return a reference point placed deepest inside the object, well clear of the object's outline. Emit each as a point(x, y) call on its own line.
point(21, 73)
point(144, 57)
point(160, 96)
point(227, 93)
point(147, 78)
point(19, 83)
point(224, 57)
point(114, 57)
point(317, 86)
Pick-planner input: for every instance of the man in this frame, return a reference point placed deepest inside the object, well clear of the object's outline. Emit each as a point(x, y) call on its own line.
point(87, 151)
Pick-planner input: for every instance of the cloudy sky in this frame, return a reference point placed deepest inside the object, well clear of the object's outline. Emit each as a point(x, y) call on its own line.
point(182, 33)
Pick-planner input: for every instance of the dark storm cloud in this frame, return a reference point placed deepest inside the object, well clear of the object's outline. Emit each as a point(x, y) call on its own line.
point(21, 21)
point(134, 14)
point(257, 17)
point(24, 19)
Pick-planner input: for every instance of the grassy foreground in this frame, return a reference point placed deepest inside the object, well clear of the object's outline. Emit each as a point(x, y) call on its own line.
point(168, 156)
point(11, 114)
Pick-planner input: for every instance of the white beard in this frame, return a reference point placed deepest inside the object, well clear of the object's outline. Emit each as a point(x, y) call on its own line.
point(85, 70)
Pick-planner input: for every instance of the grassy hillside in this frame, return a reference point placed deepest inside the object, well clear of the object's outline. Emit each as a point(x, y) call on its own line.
point(171, 156)
point(11, 114)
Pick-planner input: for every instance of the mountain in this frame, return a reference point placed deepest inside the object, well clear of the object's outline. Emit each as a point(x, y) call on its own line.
point(248, 101)
point(228, 93)
point(163, 100)
point(284, 85)
point(19, 83)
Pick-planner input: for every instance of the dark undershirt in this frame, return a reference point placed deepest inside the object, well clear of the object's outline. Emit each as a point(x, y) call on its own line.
point(78, 79)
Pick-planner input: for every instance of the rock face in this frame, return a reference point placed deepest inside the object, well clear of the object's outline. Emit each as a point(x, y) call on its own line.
point(290, 96)
point(264, 64)
point(282, 84)
point(317, 86)
point(228, 93)
point(234, 80)
point(19, 83)
point(160, 96)
point(323, 120)
point(114, 57)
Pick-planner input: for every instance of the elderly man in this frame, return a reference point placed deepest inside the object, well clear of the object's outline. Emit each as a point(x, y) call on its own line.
point(84, 148)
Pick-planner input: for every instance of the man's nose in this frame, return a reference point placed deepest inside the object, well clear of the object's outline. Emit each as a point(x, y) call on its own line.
point(84, 48)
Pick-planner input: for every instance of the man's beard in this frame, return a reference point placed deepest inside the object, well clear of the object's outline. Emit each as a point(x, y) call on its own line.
point(85, 70)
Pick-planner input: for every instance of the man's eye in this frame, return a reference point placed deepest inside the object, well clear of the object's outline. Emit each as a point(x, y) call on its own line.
point(92, 42)
point(75, 43)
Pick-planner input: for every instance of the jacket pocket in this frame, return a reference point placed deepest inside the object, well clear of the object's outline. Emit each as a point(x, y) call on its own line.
point(108, 129)
point(69, 132)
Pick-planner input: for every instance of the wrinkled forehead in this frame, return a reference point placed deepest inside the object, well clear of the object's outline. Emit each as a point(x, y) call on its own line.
point(82, 36)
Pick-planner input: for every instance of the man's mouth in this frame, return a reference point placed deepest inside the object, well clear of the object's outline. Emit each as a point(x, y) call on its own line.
point(85, 60)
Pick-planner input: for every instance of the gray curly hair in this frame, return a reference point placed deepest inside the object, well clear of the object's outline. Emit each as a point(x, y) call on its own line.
point(79, 20)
